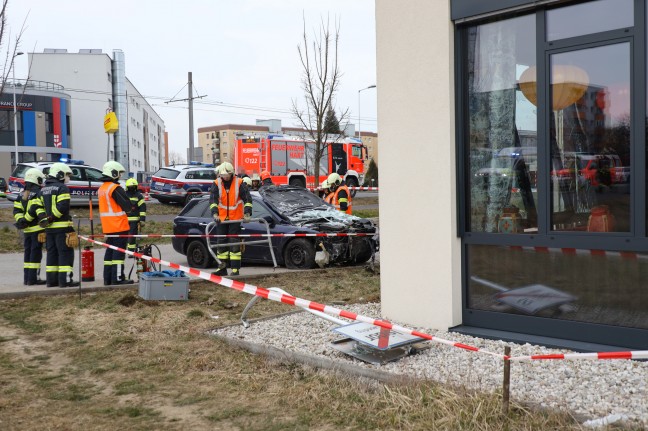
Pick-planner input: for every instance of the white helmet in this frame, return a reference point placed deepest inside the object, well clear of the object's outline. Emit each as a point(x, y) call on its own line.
point(34, 176)
point(113, 169)
point(334, 180)
point(247, 181)
point(59, 170)
point(225, 168)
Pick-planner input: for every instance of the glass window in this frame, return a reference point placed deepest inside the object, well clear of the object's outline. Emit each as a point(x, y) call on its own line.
point(49, 122)
point(589, 17)
point(502, 124)
point(93, 174)
point(167, 173)
point(571, 284)
point(590, 139)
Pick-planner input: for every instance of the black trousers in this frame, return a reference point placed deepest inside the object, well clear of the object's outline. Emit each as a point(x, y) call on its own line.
point(114, 260)
point(32, 258)
point(60, 259)
point(134, 230)
point(229, 254)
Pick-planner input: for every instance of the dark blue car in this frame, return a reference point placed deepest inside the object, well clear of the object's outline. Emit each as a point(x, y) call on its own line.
point(287, 210)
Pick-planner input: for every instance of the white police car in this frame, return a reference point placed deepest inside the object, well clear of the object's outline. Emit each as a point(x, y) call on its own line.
point(85, 179)
point(181, 183)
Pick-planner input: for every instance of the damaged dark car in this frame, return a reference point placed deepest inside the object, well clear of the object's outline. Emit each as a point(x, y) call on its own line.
point(284, 210)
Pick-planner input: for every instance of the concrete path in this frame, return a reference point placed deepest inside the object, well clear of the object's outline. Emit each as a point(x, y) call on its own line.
point(11, 268)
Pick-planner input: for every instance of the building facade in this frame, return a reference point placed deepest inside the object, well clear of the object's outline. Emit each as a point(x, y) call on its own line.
point(535, 166)
point(43, 124)
point(97, 83)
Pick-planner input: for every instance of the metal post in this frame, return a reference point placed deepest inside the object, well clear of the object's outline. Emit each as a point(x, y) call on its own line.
point(191, 137)
point(13, 65)
point(359, 126)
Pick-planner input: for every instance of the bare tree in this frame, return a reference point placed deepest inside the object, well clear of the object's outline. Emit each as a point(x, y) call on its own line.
point(320, 82)
point(8, 49)
point(176, 158)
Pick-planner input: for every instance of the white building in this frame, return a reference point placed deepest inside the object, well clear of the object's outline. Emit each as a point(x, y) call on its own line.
point(97, 83)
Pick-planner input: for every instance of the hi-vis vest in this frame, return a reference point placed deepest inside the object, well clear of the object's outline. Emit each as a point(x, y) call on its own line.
point(336, 202)
point(230, 205)
point(113, 217)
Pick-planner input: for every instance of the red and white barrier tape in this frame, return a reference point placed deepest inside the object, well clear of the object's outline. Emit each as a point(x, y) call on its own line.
point(292, 300)
point(247, 235)
point(160, 192)
point(638, 354)
point(373, 189)
point(303, 303)
point(581, 252)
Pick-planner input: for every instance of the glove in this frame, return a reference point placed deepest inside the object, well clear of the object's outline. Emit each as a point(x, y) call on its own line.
point(246, 217)
point(72, 239)
point(42, 237)
point(43, 222)
point(21, 224)
point(216, 218)
point(142, 223)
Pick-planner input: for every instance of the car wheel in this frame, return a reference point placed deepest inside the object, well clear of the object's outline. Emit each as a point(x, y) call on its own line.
point(299, 254)
point(297, 182)
point(361, 251)
point(352, 182)
point(198, 256)
point(163, 200)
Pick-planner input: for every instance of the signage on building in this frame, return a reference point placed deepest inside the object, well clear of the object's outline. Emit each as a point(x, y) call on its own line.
point(111, 125)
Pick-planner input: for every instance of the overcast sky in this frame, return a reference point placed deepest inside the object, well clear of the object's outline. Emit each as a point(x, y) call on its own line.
point(241, 52)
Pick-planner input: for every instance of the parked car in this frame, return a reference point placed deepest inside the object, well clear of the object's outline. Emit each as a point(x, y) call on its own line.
point(287, 210)
point(84, 180)
point(3, 185)
point(181, 183)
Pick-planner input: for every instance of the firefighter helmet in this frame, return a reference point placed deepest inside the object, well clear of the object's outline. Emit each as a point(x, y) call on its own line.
point(34, 176)
point(131, 184)
point(247, 181)
point(225, 168)
point(59, 171)
point(334, 180)
point(256, 177)
point(265, 175)
point(113, 169)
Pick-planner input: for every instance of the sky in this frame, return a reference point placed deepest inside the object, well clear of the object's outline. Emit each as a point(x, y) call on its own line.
point(240, 52)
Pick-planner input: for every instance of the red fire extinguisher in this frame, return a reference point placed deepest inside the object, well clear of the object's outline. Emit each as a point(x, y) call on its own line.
point(87, 264)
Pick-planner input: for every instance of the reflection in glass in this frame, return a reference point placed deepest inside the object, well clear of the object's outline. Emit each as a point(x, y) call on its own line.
point(589, 286)
point(590, 17)
point(502, 159)
point(590, 139)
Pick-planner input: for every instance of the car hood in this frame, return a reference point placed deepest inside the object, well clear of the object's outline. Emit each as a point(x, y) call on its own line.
point(303, 208)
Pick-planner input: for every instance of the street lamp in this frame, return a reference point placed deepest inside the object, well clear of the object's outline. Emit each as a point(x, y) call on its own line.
point(14, 103)
point(359, 91)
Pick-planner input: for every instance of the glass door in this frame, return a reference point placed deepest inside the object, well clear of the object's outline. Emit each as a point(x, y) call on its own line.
point(589, 138)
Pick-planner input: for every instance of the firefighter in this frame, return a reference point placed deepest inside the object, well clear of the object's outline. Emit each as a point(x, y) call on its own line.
point(324, 191)
point(340, 196)
point(256, 182)
point(248, 182)
point(61, 238)
point(266, 179)
point(114, 204)
point(30, 216)
point(137, 215)
point(229, 201)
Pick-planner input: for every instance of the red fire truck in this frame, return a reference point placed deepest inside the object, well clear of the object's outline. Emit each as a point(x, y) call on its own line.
point(290, 159)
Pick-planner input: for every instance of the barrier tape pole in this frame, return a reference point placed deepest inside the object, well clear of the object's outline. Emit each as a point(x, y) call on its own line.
point(245, 235)
point(292, 300)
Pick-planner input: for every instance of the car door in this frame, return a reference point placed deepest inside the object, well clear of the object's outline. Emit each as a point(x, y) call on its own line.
point(261, 252)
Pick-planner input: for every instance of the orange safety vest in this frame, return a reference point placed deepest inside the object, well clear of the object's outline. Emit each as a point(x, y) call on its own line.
point(335, 201)
point(329, 198)
point(230, 205)
point(113, 217)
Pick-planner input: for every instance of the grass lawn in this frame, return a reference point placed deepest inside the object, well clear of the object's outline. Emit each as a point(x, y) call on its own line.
point(112, 361)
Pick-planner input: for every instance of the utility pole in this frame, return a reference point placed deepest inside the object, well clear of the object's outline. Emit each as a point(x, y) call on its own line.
point(190, 98)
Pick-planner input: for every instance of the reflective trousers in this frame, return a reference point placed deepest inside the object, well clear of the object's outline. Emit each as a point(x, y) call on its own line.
point(114, 260)
point(60, 259)
point(229, 255)
point(32, 259)
point(134, 230)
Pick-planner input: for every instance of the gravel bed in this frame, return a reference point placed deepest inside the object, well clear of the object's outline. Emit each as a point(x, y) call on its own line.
point(591, 389)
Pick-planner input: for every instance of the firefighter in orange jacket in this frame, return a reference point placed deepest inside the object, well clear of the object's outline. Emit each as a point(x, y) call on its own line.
point(341, 198)
point(229, 201)
point(114, 206)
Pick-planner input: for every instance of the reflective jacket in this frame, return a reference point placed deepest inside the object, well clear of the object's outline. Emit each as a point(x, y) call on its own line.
point(341, 196)
point(56, 201)
point(28, 210)
point(113, 216)
point(138, 212)
point(230, 202)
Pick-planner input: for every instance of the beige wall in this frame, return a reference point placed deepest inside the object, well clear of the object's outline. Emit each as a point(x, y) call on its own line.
point(420, 252)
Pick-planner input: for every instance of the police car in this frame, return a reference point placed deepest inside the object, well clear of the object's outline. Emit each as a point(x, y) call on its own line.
point(181, 183)
point(85, 179)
